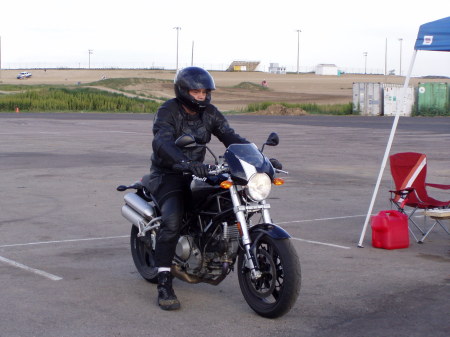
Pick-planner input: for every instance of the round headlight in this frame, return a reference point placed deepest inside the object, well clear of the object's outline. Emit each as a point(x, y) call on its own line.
point(258, 187)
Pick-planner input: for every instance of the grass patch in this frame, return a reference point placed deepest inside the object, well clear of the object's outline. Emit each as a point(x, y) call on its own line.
point(22, 87)
point(121, 83)
point(78, 99)
point(310, 108)
point(432, 112)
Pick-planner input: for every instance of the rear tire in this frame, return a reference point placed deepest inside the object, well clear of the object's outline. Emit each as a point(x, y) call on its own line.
point(277, 290)
point(143, 255)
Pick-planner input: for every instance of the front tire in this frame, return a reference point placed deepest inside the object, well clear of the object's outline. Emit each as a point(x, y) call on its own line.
point(277, 290)
point(143, 255)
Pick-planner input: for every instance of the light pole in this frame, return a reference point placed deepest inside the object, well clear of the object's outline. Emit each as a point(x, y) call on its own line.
point(192, 55)
point(298, 49)
point(178, 31)
point(90, 51)
point(400, 71)
point(385, 58)
point(365, 62)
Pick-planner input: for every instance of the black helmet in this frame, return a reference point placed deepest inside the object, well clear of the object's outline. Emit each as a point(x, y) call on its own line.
point(193, 78)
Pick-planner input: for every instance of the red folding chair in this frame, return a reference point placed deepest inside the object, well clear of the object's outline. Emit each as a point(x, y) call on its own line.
point(409, 171)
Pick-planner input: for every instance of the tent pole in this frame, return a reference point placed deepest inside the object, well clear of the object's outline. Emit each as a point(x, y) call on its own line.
point(388, 149)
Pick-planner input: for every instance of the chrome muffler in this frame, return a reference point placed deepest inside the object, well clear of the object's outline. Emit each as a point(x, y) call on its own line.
point(132, 216)
point(140, 213)
point(139, 205)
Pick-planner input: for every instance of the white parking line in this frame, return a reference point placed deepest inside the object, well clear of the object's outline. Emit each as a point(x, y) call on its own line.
point(36, 271)
point(321, 243)
point(125, 236)
point(65, 133)
point(63, 241)
point(324, 219)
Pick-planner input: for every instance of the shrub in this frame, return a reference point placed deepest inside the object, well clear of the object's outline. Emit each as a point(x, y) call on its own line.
point(312, 108)
point(80, 99)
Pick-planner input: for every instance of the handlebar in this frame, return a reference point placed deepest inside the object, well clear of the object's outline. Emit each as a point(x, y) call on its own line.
point(217, 170)
point(213, 170)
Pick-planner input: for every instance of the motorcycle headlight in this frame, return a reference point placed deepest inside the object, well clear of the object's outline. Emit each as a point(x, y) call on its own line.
point(258, 187)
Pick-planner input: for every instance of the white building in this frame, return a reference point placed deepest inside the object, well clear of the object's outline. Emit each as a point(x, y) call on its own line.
point(327, 69)
point(275, 68)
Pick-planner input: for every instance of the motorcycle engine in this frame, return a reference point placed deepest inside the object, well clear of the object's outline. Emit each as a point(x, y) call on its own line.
point(188, 252)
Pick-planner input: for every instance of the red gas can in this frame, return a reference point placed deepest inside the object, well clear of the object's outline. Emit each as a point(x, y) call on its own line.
point(390, 230)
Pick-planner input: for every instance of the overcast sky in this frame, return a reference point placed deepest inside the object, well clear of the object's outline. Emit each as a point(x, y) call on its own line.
point(140, 33)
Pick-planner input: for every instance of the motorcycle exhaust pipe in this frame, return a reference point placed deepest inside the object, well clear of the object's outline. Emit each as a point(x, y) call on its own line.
point(178, 273)
point(132, 216)
point(139, 205)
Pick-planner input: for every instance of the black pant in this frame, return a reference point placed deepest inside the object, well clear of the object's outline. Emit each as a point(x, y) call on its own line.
point(171, 192)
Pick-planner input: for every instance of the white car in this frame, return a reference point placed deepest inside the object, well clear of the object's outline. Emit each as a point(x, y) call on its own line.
point(23, 74)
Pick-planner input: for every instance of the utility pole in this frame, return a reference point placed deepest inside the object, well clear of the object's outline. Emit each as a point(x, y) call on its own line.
point(400, 71)
point(385, 58)
point(298, 49)
point(365, 62)
point(178, 31)
point(192, 55)
point(91, 51)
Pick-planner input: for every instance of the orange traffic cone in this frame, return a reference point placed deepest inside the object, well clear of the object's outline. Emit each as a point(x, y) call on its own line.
point(17, 109)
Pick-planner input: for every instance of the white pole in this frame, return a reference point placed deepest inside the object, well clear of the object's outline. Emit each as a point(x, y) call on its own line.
point(192, 55)
point(385, 58)
point(388, 149)
point(178, 31)
point(298, 49)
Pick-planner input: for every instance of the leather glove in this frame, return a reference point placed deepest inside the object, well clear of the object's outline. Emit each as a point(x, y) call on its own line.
point(276, 164)
point(196, 168)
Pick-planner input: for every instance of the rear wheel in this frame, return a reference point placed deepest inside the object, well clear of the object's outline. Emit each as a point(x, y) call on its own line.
point(143, 255)
point(276, 291)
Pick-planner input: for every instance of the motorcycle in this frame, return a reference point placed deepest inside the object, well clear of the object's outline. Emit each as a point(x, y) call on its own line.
point(228, 227)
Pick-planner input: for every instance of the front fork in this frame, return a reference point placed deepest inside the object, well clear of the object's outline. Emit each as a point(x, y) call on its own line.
point(239, 211)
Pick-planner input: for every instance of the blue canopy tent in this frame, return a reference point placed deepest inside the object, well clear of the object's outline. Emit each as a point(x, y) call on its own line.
point(433, 36)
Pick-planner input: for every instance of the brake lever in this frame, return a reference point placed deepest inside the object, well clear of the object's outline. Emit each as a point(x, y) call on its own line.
point(281, 171)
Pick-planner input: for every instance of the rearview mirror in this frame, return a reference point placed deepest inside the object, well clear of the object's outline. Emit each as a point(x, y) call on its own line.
point(273, 139)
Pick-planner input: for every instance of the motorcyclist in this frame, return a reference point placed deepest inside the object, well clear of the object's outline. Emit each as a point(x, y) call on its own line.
point(189, 113)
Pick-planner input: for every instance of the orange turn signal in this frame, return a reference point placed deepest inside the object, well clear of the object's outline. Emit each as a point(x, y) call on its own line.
point(226, 184)
point(238, 225)
point(278, 181)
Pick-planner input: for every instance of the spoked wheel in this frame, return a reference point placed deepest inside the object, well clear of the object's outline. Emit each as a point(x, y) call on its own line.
point(143, 255)
point(276, 291)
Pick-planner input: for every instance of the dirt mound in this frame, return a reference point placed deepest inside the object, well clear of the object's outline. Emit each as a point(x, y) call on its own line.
point(281, 110)
point(250, 86)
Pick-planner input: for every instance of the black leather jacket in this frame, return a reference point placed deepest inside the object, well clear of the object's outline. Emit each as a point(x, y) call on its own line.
point(171, 121)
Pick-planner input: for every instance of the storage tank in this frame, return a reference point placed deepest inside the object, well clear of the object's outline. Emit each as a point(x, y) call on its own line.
point(367, 98)
point(392, 94)
point(433, 99)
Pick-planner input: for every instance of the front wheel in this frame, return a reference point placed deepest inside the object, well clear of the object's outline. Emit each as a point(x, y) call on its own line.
point(143, 255)
point(276, 291)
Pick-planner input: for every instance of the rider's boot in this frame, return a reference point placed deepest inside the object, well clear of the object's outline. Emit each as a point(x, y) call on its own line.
point(167, 299)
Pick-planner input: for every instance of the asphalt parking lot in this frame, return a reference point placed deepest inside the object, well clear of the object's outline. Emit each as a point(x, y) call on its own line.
point(65, 263)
